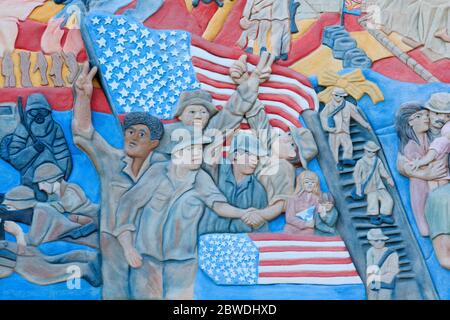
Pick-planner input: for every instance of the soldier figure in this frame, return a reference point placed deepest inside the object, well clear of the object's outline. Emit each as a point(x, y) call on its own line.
point(118, 170)
point(157, 222)
point(256, 24)
point(237, 180)
point(281, 29)
point(69, 215)
point(38, 139)
point(335, 119)
point(382, 267)
point(368, 174)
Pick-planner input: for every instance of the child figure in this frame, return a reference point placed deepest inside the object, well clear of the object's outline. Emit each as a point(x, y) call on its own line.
point(368, 174)
point(308, 212)
point(439, 150)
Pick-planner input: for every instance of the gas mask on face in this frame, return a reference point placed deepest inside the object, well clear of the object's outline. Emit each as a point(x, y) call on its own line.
point(40, 121)
point(38, 115)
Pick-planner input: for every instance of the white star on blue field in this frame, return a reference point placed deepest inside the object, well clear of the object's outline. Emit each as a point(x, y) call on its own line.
point(143, 69)
point(229, 259)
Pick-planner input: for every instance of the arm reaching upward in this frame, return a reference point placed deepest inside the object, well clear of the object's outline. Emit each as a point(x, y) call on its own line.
point(82, 90)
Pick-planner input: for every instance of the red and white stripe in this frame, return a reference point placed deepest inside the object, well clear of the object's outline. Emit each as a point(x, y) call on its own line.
point(285, 258)
point(285, 95)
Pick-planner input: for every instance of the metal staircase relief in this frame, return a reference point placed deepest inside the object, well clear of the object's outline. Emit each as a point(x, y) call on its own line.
point(414, 280)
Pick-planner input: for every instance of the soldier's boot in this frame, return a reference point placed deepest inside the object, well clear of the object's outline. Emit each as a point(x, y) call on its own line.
point(263, 49)
point(348, 162)
point(249, 50)
point(387, 218)
point(375, 220)
point(284, 56)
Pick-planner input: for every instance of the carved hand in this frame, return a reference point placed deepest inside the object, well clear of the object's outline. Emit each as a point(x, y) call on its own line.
point(39, 146)
point(17, 232)
point(252, 218)
point(133, 257)
point(358, 189)
point(322, 211)
point(310, 224)
point(238, 71)
point(414, 164)
point(244, 23)
point(83, 86)
point(436, 171)
point(264, 68)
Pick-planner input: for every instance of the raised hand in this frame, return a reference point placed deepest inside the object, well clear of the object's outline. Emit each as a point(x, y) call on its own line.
point(83, 85)
point(244, 23)
point(264, 68)
point(238, 71)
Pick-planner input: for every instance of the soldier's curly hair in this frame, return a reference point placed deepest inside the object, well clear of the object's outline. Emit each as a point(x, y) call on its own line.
point(154, 124)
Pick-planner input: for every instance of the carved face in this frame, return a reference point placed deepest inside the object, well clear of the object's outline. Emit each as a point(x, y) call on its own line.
point(377, 244)
point(420, 121)
point(370, 154)
point(138, 143)
point(40, 122)
point(337, 98)
point(47, 187)
point(437, 120)
point(284, 146)
point(190, 157)
point(195, 114)
point(245, 162)
point(309, 185)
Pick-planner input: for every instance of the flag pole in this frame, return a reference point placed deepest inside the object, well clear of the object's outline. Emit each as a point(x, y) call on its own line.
point(342, 12)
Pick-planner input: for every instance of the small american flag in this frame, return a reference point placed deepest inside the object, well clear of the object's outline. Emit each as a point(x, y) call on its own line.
point(271, 258)
point(353, 7)
point(146, 70)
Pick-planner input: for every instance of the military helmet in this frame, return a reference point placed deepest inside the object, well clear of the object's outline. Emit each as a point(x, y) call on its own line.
point(47, 172)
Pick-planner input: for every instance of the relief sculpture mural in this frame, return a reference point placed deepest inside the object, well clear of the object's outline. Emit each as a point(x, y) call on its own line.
point(235, 149)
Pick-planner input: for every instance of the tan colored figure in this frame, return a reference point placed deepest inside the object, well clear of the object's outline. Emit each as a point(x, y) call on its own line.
point(42, 66)
point(25, 69)
point(256, 24)
point(48, 221)
point(56, 70)
point(119, 170)
point(382, 267)
point(288, 150)
point(158, 218)
point(335, 119)
point(71, 62)
point(34, 266)
point(280, 39)
point(8, 71)
point(368, 174)
point(439, 150)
